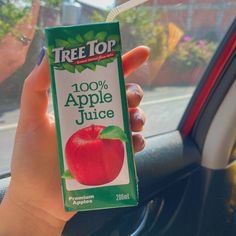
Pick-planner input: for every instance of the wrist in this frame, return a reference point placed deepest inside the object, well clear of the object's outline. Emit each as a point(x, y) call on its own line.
point(18, 218)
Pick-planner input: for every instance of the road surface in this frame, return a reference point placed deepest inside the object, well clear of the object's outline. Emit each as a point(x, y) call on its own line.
point(163, 108)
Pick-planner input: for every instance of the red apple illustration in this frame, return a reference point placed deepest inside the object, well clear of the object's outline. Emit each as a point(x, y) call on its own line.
point(94, 155)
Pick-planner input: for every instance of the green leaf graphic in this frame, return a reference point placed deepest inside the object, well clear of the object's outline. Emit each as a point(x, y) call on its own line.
point(101, 36)
point(91, 66)
point(80, 68)
point(50, 54)
point(59, 67)
point(109, 60)
point(104, 62)
point(115, 37)
point(62, 43)
point(69, 67)
point(79, 38)
point(89, 36)
point(72, 41)
point(117, 47)
point(51, 59)
point(101, 63)
point(49, 51)
point(67, 175)
point(113, 132)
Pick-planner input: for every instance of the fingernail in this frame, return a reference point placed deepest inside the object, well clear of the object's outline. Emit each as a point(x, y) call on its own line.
point(134, 90)
point(139, 118)
point(143, 142)
point(41, 56)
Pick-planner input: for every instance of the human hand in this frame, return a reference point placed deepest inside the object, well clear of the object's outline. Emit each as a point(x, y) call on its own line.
point(34, 190)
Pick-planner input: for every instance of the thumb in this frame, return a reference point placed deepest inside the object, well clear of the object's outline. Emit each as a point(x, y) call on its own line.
point(34, 99)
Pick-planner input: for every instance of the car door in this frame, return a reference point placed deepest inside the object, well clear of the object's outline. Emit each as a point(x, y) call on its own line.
point(186, 172)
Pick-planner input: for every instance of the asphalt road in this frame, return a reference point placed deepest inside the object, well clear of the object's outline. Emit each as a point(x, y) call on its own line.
point(163, 108)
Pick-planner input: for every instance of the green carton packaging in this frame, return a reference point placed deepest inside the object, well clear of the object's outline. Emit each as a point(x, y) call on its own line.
point(94, 139)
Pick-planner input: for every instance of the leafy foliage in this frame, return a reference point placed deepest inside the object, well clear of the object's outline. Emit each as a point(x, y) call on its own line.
point(77, 41)
point(191, 53)
point(51, 3)
point(12, 12)
point(10, 15)
point(140, 26)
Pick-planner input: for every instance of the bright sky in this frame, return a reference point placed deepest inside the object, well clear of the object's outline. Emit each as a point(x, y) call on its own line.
point(103, 4)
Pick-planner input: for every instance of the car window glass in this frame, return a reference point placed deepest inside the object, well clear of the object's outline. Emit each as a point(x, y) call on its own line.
point(182, 35)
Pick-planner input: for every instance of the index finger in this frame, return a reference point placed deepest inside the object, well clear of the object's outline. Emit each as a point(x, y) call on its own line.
point(134, 58)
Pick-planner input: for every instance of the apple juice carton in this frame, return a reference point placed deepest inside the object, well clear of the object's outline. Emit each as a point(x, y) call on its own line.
point(94, 139)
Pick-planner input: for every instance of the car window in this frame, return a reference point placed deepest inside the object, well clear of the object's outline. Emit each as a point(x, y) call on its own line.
point(182, 35)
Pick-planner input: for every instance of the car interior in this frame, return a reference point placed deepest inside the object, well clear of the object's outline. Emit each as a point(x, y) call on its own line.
point(186, 177)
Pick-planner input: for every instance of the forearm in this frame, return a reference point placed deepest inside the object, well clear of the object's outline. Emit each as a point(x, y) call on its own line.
point(20, 220)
